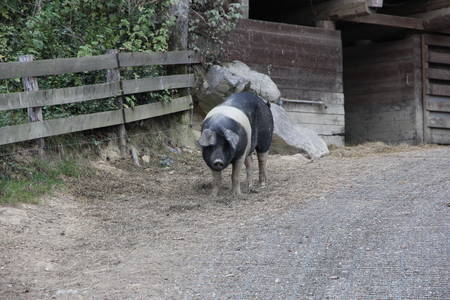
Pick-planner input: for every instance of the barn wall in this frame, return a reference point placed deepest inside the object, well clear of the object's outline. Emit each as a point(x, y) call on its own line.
point(436, 70)
point(383, 85)
point(305, 63)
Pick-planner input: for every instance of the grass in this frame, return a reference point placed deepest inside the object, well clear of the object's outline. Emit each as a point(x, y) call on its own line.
point(26, 181)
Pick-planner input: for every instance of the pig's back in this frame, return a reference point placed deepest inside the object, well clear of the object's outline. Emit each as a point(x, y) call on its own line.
point(259, 115)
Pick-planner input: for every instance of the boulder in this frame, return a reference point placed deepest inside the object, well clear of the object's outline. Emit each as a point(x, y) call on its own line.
point(288, 136)
point(260, 84)
point(221, 81)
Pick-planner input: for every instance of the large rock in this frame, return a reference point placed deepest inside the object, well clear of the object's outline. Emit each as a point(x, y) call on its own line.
point(222, 81)
point(296, 137)
point(260, 84)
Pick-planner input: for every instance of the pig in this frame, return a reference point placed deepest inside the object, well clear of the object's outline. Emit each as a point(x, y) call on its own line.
point(231, 132)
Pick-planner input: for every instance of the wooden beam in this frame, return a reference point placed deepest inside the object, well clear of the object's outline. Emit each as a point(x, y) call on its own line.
point(157, 84)
point(134, 59)
point(389, 20)
point(57, 66)
point(339, 9)
point(330, 10)
point(437, 20)
point(59, 96)
point(156, 109)
point(29, 131)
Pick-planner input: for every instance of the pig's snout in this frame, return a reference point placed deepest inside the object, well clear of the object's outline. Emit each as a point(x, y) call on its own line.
point(218, 164)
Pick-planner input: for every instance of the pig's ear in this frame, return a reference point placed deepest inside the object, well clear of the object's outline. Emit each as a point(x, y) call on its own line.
point(231, 137)
point(208, 138)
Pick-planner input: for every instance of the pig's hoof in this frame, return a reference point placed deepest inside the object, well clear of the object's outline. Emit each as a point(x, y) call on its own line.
point(252, 190)
point(214, 192)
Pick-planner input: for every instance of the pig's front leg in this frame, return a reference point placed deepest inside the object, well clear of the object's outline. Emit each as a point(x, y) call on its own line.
point(236, 185)
point(262, 161)
point(217, 181)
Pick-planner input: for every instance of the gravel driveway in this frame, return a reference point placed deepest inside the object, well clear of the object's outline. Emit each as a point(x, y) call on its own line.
point(370, 227)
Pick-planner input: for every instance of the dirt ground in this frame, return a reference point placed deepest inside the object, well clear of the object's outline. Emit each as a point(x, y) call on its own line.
point(370, 223)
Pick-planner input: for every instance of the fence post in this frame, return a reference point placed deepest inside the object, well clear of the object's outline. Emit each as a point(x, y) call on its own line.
point(179, 41)
point(34, 113)
point(113, 75)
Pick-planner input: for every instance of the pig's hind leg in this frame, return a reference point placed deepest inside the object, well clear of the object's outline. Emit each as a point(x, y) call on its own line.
point(249, 168)
point(262, 161)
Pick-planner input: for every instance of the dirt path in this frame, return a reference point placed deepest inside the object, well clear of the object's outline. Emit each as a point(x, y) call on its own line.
point(370, 227)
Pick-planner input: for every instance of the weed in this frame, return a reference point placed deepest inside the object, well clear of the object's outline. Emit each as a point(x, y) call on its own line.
point(26, 181)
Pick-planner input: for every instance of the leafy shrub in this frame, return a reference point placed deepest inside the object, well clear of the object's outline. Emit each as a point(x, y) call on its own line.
point(69, 28)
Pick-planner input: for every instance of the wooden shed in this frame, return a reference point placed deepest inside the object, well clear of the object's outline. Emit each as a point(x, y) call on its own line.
point(388, 61)
point(399, 91)
point(305, 63)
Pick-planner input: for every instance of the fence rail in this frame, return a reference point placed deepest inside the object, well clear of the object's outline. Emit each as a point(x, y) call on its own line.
point(114, 61)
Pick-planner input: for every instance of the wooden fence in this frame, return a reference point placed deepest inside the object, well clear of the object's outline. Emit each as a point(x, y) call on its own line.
point(34, 99)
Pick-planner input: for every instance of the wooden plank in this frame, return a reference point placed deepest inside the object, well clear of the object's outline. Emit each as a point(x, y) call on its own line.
point(133, 59)
point(436, 103)
point(400, 83)
point(157, 109)
point(336, 109)
point(336, 140)
point(251, 37)
point(440, 136)
point(311, 81)
point(389, 20)
point(25, 132)
point(290, 29)
point(380, 52)
point(439, 73)
point(285, 58)
point(309, 95)
point(57, 66)
point(59, 96)
point(439, 57)
point(439, 89)
point(313, 118)
point(323, 129)
point(437, 40)
point(439, 120)
point(439, 22)
point(385, 71)
point(339, 9)
point(157, 83)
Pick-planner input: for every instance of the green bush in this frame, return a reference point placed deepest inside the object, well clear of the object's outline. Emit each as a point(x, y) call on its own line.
point(74, 28)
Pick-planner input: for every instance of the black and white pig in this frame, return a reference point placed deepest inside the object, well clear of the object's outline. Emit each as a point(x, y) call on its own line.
point(231, 132)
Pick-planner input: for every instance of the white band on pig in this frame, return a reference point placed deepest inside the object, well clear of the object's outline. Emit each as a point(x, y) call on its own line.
point(236, 115)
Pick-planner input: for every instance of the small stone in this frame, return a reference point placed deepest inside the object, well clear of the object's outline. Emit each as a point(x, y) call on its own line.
point(146, 159)
point(334, 277)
